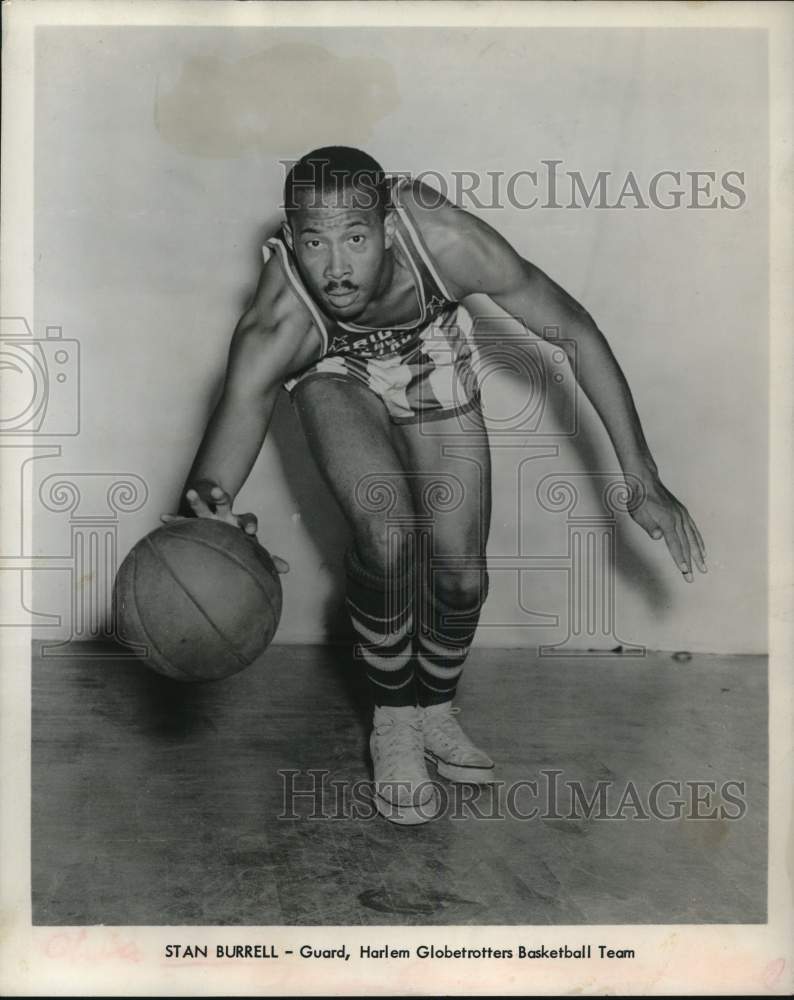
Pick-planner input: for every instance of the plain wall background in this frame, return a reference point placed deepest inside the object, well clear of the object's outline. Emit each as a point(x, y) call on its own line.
point(157, 177)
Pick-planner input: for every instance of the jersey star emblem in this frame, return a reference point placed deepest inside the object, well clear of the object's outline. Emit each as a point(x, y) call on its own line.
point(435, 302)
point(338, 344)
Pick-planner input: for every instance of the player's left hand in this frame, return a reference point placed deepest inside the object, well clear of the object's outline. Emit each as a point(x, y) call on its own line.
point(664, 516)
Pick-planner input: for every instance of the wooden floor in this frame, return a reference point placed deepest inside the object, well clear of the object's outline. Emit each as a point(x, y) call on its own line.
point(158, 803)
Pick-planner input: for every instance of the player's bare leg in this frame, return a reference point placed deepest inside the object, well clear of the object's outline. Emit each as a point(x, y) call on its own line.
point(349, 434)
point(449, 467)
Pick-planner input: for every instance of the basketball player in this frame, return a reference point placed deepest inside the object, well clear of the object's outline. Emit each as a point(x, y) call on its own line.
point(360, 313)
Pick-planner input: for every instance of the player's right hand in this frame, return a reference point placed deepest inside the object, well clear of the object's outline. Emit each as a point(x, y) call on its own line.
point(211, 500)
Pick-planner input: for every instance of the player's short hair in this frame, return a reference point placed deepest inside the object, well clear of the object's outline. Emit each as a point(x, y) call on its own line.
point(332, 170)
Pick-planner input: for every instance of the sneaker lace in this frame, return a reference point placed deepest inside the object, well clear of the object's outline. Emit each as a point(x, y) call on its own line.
point(400, 737)
point(446, 730)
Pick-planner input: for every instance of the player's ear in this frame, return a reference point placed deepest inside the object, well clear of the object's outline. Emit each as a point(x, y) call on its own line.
point(286, 232)
point(389, 227)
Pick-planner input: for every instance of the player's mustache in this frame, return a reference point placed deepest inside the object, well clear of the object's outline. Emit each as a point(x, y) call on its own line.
point(339, 286)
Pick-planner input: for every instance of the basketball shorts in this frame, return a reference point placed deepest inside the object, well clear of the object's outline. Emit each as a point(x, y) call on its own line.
point(433, 380)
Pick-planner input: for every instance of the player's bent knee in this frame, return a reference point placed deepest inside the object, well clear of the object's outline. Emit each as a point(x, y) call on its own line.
point(381, 547)
point(460, 588)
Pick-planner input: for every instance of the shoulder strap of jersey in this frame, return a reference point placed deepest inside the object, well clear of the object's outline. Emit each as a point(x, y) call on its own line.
point(276, 244)
point(415, 237)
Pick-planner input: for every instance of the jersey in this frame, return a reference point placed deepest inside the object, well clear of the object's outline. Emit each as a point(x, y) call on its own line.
point(421, 369)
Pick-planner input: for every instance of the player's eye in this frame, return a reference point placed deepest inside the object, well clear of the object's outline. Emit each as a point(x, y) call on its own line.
point(357, 239)
point(312, 244)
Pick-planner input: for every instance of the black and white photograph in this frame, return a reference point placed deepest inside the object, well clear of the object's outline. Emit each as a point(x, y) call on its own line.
point(396, 463)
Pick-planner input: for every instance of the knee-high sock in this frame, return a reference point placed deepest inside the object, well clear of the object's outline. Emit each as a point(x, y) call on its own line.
point(381, 610)
point(443, 641)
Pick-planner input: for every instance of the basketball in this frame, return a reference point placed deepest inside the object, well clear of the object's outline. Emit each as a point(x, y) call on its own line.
point(201, 596)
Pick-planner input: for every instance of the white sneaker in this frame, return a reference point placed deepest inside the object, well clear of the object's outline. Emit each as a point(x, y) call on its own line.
point(404, 792)
point(451, 750)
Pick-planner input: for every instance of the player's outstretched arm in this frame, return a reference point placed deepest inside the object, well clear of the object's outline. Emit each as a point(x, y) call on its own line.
point(474, 258)
point(272, 339)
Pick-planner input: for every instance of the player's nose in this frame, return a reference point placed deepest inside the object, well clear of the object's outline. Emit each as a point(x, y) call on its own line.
point(337, 267)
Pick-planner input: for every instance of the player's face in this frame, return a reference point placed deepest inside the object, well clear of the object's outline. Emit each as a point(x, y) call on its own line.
point(340, 243)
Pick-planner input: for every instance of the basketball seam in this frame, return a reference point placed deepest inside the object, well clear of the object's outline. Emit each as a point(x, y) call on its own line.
point(161, 655)
point(145, 630)
point(240, 563)
point(159, 555)
point(233, 557)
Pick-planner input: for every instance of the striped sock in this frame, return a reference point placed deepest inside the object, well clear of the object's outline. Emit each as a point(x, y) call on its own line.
point(443, 644)
point(381, 610)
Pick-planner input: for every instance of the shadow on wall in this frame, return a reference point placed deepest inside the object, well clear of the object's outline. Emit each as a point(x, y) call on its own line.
point(551, 403)
point(633, 562)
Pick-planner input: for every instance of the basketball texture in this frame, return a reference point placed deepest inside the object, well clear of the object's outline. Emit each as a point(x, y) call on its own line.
point(203, 597)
